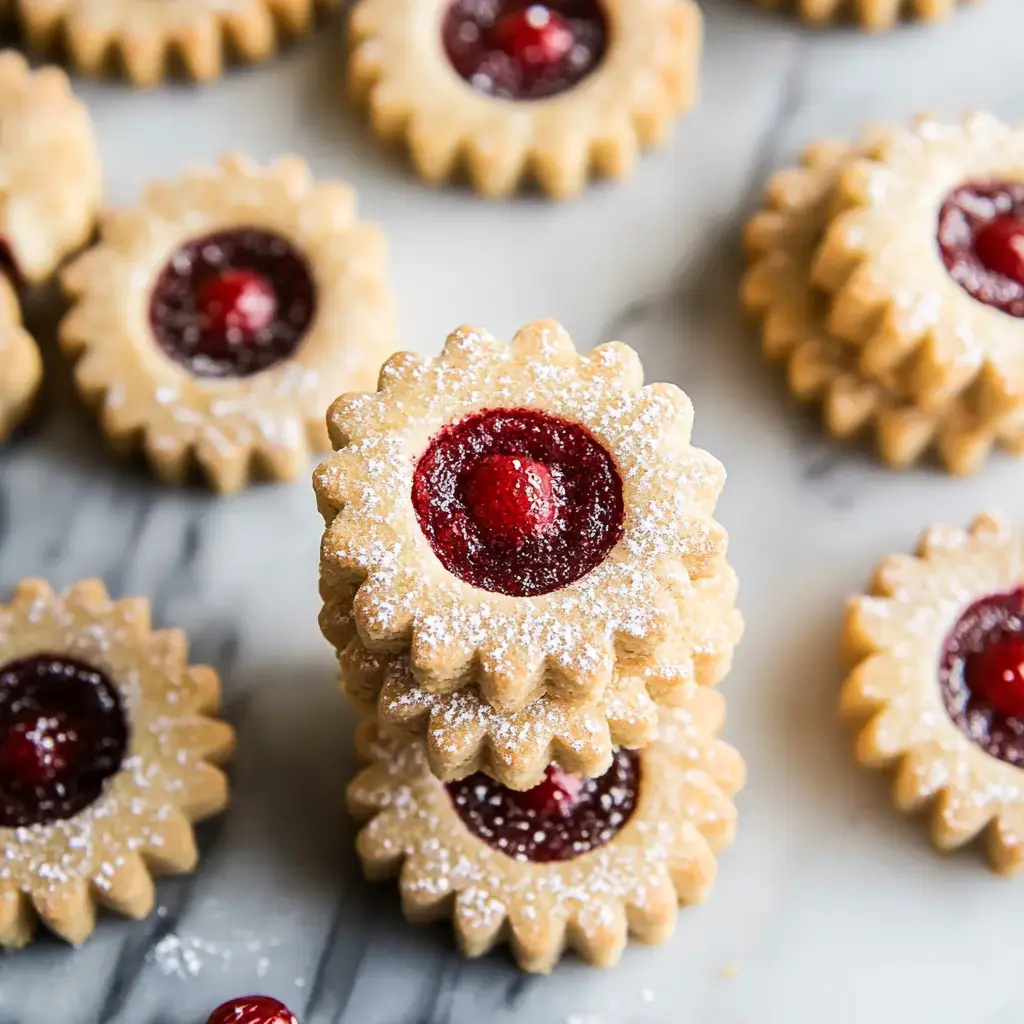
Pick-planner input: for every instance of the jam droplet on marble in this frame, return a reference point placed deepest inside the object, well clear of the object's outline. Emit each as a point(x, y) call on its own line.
point(233, 304)
point(252, 1010)
point(981, 242)
point(518, 50)
point(516, 501)
point(980, 675)
point(562, 818)
point(63, 733)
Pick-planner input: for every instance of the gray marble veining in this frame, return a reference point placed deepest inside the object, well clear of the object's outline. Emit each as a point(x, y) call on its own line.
point(830, 906)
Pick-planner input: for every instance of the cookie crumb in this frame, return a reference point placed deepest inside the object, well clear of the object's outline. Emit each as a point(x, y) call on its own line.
point(730, 971)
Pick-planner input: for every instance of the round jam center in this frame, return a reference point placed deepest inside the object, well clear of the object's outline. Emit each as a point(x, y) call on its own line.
point(518, 502)
point(252, 1010)
point(63, 733)
point(518, 50)
point(562, 818)
point(981, 240)
point(233, 304)
point(981, 675)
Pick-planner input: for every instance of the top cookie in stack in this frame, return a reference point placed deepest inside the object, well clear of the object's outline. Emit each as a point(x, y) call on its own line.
point(520, 562)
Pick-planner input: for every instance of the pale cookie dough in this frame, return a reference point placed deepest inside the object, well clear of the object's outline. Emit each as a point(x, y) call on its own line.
point(87, 684)
point(874, 15)
point(670, 815)
point(937, 679)
point(21, 366)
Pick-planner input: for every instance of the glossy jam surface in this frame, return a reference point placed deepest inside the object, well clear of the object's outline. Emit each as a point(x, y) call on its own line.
point(518, 50)
point(516, 501)
point(981, 678)
point(562, 818)
point(233, 304)
point(981, 240)
point(252, 1010)
point(63, 733)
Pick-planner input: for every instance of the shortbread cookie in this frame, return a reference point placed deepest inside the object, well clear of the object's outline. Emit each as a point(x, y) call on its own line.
point(855, 390)
point(147, 36)
point(516, 515)
point(510, 89)
point(216, 321)
point(464, 734)
point(938, 651)
point(876, 15)
point(50, 167)
point(21, 367)
point(252, 1010)
point(105, 751)
point(571, 863)
point(921, 262)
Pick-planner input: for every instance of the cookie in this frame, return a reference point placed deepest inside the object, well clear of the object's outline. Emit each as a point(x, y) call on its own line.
point(463, 734)
point(215, 321)
point(937, 651)
point(148, 36)
point(508, 90)
point(572, 863)
point(50, 165)
point(516, 515)
point(857, 392)
point(21, 367)
point(106, 744)
point(921, 267)
point(875, 15)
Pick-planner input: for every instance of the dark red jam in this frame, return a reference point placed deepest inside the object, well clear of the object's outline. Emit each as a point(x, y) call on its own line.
point(981, 239)
point(562, 818)
point(63, 733)
point(233, 304)
point(518, 50)
point(518, 502)
point(252, 1010)
point(981, 675)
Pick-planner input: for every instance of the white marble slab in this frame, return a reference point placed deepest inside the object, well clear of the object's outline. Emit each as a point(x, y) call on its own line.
point(830, 907)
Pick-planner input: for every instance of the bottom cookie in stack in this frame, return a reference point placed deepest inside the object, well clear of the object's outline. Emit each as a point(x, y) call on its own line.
point(572, 863)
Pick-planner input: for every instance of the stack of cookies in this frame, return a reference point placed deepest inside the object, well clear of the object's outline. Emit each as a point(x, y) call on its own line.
point(530, 598)
point(889, 275)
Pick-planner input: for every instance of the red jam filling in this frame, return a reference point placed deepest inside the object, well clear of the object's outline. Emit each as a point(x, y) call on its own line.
point(981, 675)
point(63, 733)
point(562, 818)
point(516, 501)
point(522, 50)
point(252, 1010)
point(233, 304)
point(981, 239)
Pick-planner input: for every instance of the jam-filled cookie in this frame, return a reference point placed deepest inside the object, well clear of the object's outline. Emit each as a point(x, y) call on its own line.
point(106, 744)
point(21, 366)
point(50, 167)
point(938, 655)
point(510, 89)
point(571, 863)
point(463, 734)
point(147, 36)
point(215, 322)
point(856, 391)
point(875, 15)
point(516, 515)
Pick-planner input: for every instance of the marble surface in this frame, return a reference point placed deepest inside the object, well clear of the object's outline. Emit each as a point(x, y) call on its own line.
point(830, 906)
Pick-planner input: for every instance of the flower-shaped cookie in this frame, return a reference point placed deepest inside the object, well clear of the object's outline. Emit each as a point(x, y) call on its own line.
point(146, 35)
point(938, 651)
point(50, 167)
point(855, 389)
point(216, 321)
point(510, 88)
point(464, 734)
point(922, 265)
point(516, 514)
point(21, 367)
point(570, 863)
point(876, 15)
point(105, 751)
